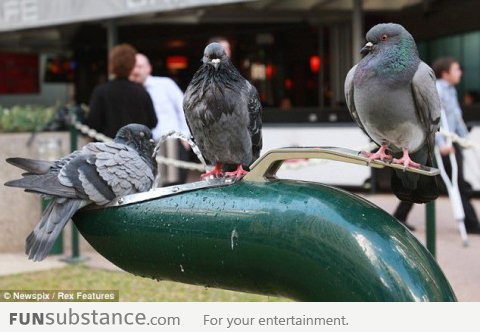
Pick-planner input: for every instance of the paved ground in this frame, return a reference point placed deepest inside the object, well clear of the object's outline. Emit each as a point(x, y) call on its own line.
point(13, 263)
point(460, 264)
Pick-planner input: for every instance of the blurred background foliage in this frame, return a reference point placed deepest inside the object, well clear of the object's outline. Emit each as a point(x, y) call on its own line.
point(25, 118)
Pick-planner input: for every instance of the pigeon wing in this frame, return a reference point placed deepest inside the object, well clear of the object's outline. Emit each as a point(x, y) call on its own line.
point(187, 104)
point(412, 187)
point(349, 93)
point(123, 170)
point(426, 98)
point(255, 125)
point(195, 109)
point(81, 174)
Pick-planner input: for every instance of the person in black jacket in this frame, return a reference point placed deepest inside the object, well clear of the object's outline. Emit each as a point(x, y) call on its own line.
point(120, 101)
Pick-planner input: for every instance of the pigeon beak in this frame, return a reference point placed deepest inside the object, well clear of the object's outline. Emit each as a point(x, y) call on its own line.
point(215, 63)
point(367, 48)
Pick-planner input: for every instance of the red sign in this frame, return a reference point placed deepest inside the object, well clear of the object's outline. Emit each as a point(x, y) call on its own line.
point(19, 73)
point(176, 62)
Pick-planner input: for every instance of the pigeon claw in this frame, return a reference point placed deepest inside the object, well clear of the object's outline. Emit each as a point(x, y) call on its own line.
point(238, 173)
point(381, 154)
point(406, 161)
point(215, 172)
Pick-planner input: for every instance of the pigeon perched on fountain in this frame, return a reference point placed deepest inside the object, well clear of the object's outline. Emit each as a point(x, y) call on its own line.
point(97, 173)
point(223, 112)
point(392, 97)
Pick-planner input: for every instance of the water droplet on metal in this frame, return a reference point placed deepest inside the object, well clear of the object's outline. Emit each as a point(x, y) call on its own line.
point(234, 238)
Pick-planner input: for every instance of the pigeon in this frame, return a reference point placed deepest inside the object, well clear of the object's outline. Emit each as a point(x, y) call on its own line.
point(97, 173)
point(223, 112)
point(392, 97)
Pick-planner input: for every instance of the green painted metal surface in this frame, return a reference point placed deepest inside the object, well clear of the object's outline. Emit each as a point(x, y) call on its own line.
point(300, 240)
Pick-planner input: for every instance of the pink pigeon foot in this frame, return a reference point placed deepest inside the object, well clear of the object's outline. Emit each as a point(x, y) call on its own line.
point(238, 173)
point(216, 171)
point(405, 160)
point(380, 154)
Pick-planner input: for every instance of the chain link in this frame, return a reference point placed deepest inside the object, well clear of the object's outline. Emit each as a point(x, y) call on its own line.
point(180, 164)
point(92, 133)
point(463, 142)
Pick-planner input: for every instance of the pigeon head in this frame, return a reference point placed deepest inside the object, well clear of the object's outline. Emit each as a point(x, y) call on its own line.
point(138, 137)
point(214, 54)
point(389, 37)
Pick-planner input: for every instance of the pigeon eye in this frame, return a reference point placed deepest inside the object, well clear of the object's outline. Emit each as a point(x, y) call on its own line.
point(384, 37)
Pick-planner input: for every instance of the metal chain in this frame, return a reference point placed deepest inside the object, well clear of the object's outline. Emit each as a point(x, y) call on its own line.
point(92, 133)
point(180, 164)
point(463, 142)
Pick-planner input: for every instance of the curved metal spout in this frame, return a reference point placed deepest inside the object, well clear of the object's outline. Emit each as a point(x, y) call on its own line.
point(300, 240)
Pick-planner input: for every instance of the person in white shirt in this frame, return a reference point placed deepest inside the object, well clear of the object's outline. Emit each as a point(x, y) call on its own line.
point(166, 96)
point(168, 103)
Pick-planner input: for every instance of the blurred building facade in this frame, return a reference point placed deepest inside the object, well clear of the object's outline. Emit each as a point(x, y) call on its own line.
point(296, 52)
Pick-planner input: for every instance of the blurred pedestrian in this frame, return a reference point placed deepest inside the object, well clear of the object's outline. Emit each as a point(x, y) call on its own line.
point(120, 101)
point(448, 73)
point(168, 103)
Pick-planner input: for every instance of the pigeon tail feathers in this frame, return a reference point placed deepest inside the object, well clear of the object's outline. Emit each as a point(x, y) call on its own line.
point(54, 218)
point(412, 187)
point(31, 165)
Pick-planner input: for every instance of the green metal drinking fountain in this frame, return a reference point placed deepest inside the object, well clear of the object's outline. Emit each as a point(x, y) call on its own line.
point(301, 240)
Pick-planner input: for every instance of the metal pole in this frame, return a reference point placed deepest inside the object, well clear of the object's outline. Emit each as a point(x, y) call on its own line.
point(75, 257)
point(357, 29)
point(112, 34)
point(232, 249)
point(431, 239)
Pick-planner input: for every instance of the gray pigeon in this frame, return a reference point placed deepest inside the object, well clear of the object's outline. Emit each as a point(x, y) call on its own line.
point(97, 173)
point(392, 97)
point(223, 112)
